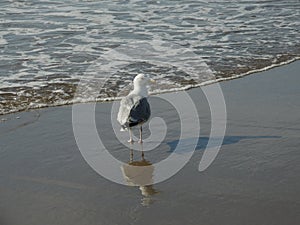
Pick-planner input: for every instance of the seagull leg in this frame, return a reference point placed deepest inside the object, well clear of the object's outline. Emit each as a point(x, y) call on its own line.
point(142, 150)
point(131, 155)
point(130, 135)
point(141, 135)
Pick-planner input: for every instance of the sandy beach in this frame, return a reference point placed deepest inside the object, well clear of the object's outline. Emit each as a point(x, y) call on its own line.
point(254, 179)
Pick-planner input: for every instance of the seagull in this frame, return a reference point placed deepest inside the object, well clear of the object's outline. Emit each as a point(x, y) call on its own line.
point(134, 108)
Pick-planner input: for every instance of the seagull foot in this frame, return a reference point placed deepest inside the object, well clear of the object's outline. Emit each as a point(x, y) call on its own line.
point(131, 141)
point(140, 141)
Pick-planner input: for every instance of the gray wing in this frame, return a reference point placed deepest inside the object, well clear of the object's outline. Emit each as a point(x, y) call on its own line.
point(139, 113)
point(133, 111)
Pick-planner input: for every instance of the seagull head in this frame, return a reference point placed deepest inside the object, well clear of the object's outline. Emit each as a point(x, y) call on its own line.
point(142, 80)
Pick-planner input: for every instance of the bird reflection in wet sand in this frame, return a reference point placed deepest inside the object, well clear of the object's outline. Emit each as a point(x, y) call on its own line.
point(140, 173)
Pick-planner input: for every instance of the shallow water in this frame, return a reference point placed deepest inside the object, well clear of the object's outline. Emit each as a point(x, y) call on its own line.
point(48, 46)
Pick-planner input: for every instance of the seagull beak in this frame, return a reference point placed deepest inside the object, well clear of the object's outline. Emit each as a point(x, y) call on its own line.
point(152, 81)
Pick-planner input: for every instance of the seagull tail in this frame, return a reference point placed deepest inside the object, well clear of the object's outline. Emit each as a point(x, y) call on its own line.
point(123, 128)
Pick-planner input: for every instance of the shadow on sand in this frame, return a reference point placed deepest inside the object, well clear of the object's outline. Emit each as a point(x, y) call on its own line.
point(202, 142)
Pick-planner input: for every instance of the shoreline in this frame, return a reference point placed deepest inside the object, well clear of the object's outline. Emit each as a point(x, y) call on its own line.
point(173, 90)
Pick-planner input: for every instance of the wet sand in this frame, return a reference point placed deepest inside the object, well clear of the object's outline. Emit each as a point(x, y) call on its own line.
point(254, 179)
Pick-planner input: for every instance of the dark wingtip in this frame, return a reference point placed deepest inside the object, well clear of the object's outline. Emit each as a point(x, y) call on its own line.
point(132, 124)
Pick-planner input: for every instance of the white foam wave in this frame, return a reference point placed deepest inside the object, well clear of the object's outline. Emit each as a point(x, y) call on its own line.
point(48, 42)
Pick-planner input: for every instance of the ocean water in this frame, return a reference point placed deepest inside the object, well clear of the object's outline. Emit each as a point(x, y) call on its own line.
point(47, 47)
